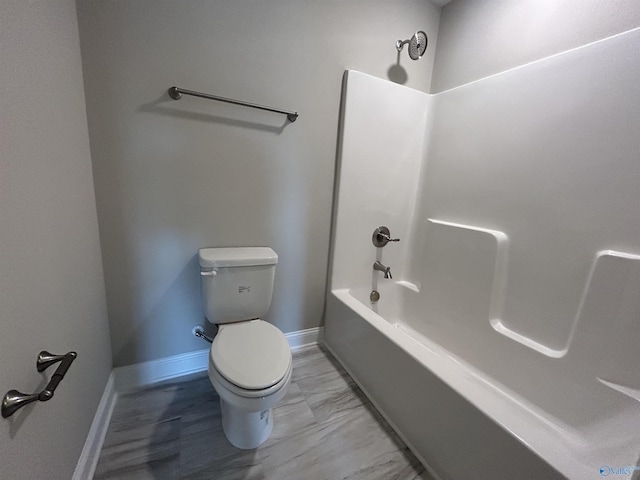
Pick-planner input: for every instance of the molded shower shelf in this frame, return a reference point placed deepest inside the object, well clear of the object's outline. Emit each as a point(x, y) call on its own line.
point(609, 267)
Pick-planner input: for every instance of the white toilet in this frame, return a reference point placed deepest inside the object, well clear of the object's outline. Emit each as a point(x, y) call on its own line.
point(250, 360)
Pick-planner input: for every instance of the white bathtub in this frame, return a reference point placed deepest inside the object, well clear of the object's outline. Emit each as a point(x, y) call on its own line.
point(460, 423)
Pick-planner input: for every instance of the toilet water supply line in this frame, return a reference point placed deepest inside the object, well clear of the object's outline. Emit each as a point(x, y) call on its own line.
point(198, 331)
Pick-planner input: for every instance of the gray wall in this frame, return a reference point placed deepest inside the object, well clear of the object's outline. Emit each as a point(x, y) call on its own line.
point(51, 286)
point(479, 37)
point(172, 177)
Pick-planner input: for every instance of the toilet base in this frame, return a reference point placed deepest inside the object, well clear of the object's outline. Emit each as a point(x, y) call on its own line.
point(244, 429)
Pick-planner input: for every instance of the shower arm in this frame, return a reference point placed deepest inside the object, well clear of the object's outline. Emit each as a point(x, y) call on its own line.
point(400, 44)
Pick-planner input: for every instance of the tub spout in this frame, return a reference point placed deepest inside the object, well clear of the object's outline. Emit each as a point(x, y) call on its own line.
point(380, 267)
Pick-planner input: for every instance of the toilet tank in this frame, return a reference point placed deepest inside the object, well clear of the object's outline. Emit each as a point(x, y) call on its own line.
point(237, 282)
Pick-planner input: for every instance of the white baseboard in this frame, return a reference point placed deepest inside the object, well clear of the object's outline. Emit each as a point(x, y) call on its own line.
point(123, 379)
point(304, 338)
point(154, 371)
point(95, 438)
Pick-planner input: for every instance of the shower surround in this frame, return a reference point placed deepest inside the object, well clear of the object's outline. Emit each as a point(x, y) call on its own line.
point(507, 343)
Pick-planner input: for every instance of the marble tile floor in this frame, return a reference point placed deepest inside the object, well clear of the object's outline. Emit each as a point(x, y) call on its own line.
point(324, 429)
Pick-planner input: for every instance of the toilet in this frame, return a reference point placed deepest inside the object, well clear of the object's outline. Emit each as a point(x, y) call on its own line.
point(250, 360)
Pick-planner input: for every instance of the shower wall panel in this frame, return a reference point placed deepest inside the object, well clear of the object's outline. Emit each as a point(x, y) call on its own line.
point(549, 154)
point(383, 135)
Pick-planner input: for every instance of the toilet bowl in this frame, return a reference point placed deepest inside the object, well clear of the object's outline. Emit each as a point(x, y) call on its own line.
point(250, 368)
point(250, 361)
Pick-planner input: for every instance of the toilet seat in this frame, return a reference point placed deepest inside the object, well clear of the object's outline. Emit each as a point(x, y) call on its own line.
point(252, 358)
point(214, 374)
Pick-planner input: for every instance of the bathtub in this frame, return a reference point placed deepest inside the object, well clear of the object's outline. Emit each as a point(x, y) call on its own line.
point(460, 422)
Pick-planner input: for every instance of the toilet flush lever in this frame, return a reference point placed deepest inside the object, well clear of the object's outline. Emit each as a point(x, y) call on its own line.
point(209, 273)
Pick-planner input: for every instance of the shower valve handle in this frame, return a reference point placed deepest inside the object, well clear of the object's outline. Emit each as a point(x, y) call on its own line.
point(382, 236)
point(388, 238)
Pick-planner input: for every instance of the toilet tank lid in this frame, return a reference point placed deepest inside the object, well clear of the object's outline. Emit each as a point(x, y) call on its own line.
point(237, 256)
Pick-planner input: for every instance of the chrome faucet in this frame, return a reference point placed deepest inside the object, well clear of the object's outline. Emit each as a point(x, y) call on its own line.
point(380, 267)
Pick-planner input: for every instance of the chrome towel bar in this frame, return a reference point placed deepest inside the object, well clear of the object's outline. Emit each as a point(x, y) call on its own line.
point(176, 93)
point(14, 400)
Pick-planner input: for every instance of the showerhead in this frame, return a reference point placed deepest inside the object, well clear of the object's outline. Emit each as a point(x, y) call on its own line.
point(417, 45)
